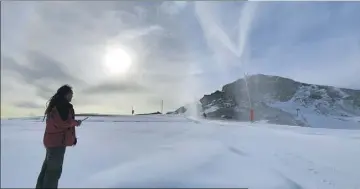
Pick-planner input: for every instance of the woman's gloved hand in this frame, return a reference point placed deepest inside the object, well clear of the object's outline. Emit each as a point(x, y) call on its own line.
point(79, 122)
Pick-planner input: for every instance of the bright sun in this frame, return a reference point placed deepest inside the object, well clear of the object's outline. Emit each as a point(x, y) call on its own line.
point(117, 61)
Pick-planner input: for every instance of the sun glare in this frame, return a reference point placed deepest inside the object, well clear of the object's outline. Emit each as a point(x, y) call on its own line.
point(117, 61)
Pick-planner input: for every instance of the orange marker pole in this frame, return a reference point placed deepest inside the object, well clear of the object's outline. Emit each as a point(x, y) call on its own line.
point(251, 115)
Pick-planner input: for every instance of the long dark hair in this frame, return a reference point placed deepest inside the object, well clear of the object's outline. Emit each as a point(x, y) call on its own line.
point(58, 96)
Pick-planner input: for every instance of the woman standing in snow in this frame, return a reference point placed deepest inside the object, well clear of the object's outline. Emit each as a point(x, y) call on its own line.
point(59, 133)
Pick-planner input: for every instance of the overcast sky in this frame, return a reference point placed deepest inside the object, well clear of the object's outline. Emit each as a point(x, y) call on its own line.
point(179, 50)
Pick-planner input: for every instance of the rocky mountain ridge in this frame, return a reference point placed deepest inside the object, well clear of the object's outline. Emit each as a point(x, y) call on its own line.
point(277, 100)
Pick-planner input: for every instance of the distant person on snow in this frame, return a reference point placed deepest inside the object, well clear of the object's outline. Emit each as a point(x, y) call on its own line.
point(59, 133)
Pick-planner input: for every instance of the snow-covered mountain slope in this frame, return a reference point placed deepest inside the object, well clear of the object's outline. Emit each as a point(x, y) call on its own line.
point(179, 152)
point(281, 101)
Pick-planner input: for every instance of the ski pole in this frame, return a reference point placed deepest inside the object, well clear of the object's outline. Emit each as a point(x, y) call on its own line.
point(85, 119)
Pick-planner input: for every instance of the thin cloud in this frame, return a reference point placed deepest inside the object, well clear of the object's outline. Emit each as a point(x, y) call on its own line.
point(136, 33)
point(173, 7)
point(41, 72)
point(38, 67)
point(115, 87)
point(316, 47)
point(29, 105)
point(180, 50)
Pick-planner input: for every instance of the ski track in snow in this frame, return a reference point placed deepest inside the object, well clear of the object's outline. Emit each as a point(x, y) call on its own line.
point(187, 153)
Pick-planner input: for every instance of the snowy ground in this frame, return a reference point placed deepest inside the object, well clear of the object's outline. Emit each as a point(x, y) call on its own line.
point(315, 120)
point(163, 151)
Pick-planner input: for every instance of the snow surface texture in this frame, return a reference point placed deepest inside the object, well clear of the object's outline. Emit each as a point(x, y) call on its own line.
point(173, 151)
point(321, 110)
